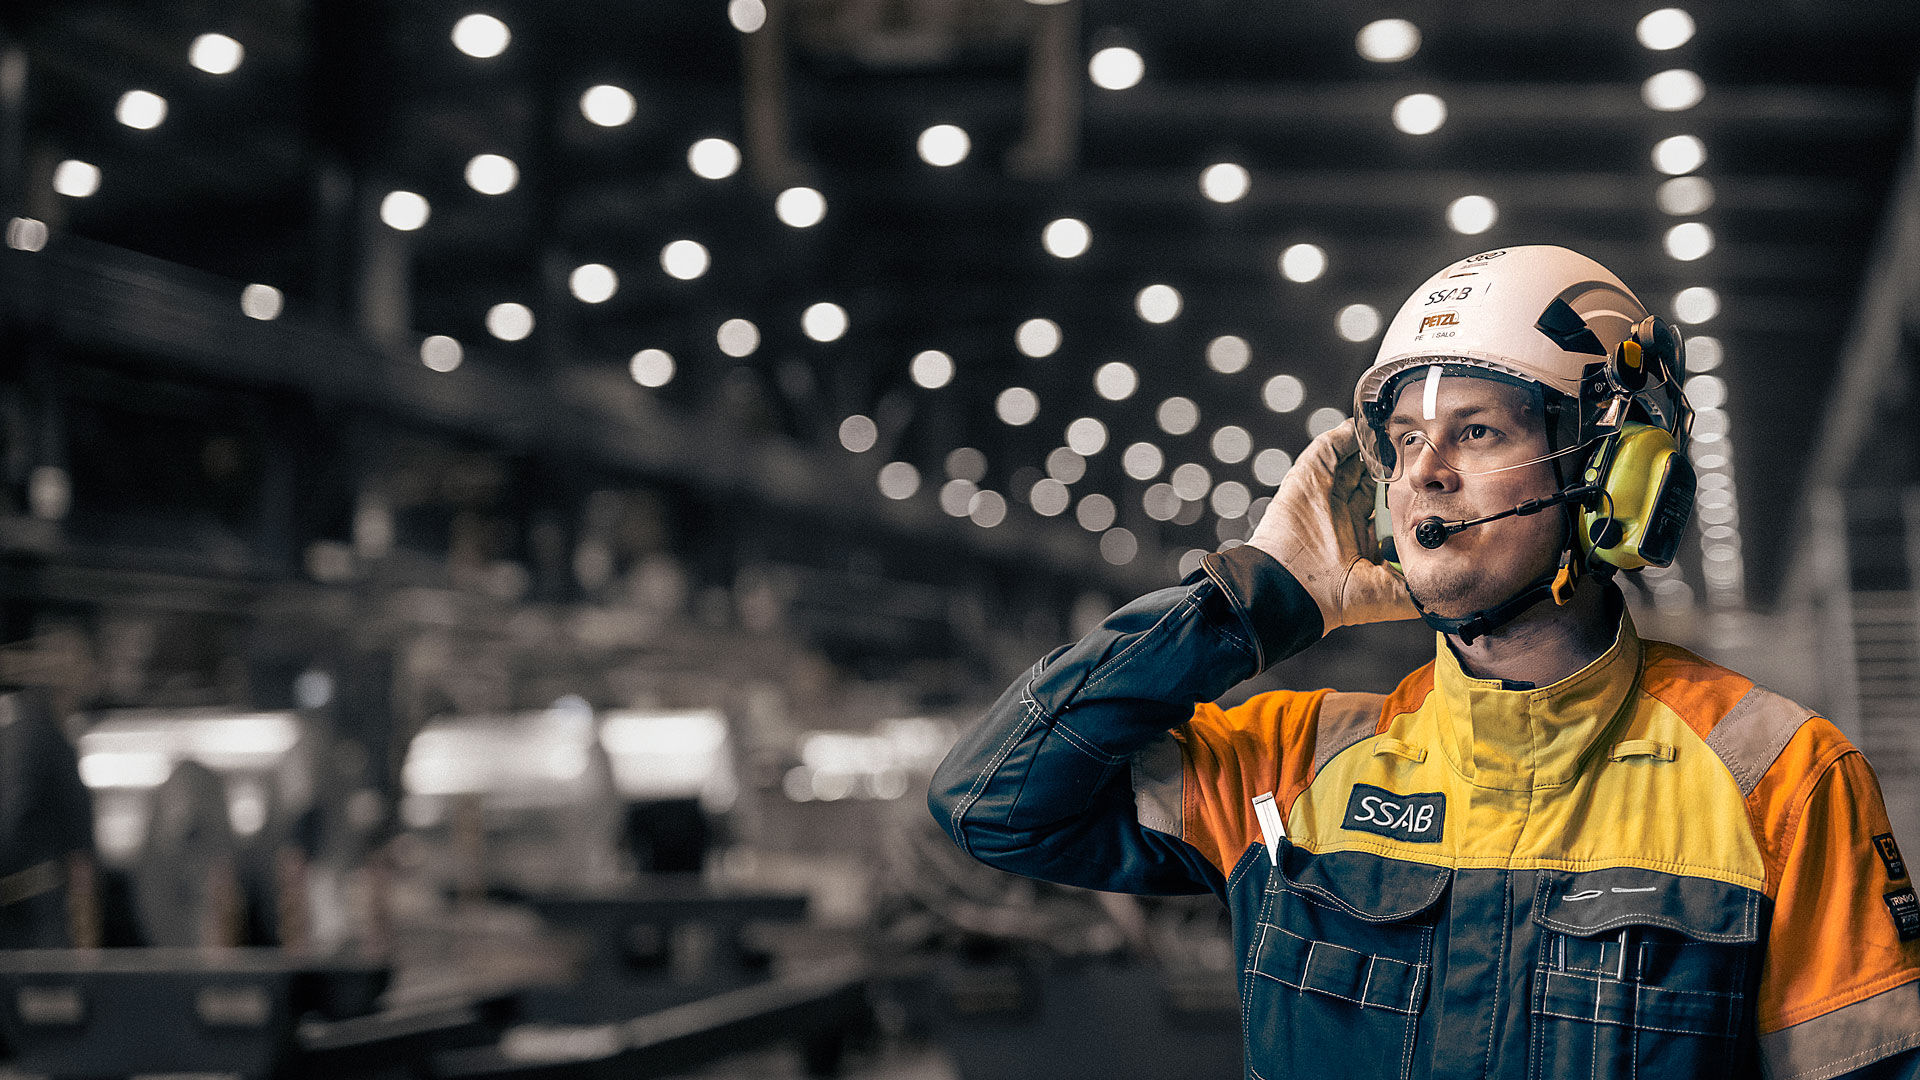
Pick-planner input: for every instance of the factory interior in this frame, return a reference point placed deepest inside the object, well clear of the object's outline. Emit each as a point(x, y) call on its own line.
point(504, 505)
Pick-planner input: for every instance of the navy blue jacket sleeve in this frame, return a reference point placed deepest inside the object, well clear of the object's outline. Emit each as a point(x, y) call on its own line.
point(1041, 785)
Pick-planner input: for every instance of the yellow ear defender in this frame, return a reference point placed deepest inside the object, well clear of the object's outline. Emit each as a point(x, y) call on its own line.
point(1646, 484)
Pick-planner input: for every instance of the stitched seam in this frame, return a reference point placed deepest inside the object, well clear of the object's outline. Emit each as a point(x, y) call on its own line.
point(985, 776)
point(1634, 1025)
point(1319, 897)
point(1080, 741)
point(1402, 1010)
point(1735, 937)
point(1242, 610)
point(1118, 661)
point(1506, 922)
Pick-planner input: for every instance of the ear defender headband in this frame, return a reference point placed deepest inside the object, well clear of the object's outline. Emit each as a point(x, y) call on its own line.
point(1645, 485)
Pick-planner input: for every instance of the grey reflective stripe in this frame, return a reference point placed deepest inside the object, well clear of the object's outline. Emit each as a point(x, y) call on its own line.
point(1345, 719)
point(1848, 1038)
point(1753, 733)
point(1159, 787)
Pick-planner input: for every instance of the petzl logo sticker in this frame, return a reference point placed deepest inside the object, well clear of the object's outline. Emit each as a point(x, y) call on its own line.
point(1905, 909)
point(1419, 818)
point(1442, 318)
point(1890, 854)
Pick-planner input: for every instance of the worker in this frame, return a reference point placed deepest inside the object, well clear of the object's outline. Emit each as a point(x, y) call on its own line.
point(1556, 850)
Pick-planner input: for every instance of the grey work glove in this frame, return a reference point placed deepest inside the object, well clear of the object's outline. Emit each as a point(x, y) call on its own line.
point(1318, 527)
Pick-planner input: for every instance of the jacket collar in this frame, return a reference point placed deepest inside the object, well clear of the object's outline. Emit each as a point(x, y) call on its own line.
point(1517, 740)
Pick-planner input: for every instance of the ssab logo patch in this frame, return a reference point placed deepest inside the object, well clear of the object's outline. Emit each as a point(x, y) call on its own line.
point(1419, 818)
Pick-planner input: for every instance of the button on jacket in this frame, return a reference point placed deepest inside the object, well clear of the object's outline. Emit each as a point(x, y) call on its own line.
point(1652, 867)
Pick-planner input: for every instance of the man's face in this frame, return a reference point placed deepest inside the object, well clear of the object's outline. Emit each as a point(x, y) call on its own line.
point(1476, 423)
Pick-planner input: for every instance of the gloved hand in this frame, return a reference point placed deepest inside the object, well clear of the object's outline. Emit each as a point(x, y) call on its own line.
point(1317, 527)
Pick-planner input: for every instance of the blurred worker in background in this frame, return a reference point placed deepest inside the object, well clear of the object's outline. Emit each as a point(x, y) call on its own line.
point(1556, 850)
point(48, 896)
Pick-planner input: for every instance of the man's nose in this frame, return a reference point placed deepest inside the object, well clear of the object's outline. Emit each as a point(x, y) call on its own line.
point(1426, 469)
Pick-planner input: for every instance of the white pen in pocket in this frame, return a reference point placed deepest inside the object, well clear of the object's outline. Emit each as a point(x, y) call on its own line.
point(1271, 829)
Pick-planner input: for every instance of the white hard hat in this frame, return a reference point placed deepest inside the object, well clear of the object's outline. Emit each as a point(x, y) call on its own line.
point(1541, 316)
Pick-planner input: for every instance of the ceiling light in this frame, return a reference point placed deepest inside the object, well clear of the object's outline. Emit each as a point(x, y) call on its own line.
point(685, 259)
point(858, 433)
point(1684, 196)
point(1706, 392)
point(1225, 182)
point(1673, 91)
point(404, 210)
point(713, 159)
point(1095, 512)
point(956, 496)
point(1160, 502)
point(1157, 303)
point(441, 353)
point(26, 234)
point(1066, 238)
point(967, 463)
point(1689, 240)
point(824, 321)
point(263, 302)
point(1471, 215)
point(1228, 354)
point(1419, 114)
point(1385, 41)
point(1696, 305)
point(747, 16)
point(1177, 415)
point(943, 145)
point(76, 179)
point(481, 36)
point(1703, 353)
point(1270, 466)
point(737, 337)
point(1037, 338)
point(608, 105)
point(898, 480)
point(141, 109)
point(1086, 436)
point(1017, 406)
point(932, 369)
point(1283, 393)
point(1143, 461)
point(509, 321)
point(1119, 546)
point(1321, 421)
point(1232, 444)
point(800, 207)
point(651, 367)
point(1049, 497)
point(1358, 322)
point(593, 283)
point(1667, 28)
point(1116, 380)
point(1231, 499)
point(1066, 466)
point(1116, 68)
point(1303, 262)
point(491, 174)
point(1679, 154)
point(1192, 482)
point(987, 509)
point(215, 54)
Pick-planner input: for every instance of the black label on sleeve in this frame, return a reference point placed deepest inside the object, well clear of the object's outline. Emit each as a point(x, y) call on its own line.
point(1890, 854)
point(1419, 818)
point(1905, 909)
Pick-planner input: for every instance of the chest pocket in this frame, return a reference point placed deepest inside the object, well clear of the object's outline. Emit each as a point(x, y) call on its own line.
point(1339, 964)
point(1643, 974)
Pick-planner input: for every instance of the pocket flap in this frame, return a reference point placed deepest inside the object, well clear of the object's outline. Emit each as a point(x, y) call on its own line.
point(1364, 885)
point(1602, 901)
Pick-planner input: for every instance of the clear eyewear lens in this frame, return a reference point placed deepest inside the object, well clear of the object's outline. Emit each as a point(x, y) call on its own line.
point(1387, 470)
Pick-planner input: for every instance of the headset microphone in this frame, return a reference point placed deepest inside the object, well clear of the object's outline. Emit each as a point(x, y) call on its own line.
point(1433, 532)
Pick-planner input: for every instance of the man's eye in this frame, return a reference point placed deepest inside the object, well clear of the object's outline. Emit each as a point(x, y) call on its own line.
point(1475, 431)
